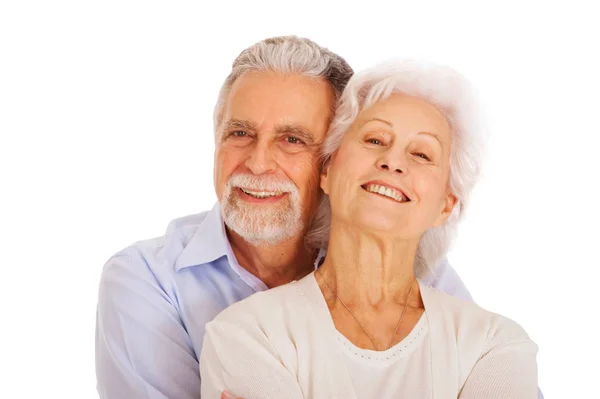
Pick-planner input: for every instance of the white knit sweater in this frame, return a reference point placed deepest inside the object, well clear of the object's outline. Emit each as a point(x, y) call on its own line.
point(282, 343)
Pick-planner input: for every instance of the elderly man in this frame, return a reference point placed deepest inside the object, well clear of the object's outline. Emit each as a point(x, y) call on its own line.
point(156, 295)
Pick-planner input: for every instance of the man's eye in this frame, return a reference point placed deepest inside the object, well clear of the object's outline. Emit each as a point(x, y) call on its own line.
point(293, 140)
point(239, 133)
point(421, 155)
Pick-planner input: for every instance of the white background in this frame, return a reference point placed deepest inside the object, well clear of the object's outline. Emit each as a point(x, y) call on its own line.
point(106, 135)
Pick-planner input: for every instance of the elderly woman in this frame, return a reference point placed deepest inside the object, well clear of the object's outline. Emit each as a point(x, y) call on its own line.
point(399, 163)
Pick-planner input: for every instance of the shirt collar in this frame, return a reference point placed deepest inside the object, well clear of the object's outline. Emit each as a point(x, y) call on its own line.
point(208, 243)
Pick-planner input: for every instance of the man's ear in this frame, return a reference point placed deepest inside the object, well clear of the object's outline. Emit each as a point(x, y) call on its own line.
point(449, 204)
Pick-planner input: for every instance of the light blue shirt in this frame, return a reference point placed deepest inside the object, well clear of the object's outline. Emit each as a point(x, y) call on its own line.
point(156, 297)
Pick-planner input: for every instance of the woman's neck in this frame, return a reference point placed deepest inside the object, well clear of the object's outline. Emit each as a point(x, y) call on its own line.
point(365, 269)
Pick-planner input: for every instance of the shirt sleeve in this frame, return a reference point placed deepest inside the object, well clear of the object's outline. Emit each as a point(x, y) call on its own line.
point(142, 347)
point(508, 368)
point(242, 361)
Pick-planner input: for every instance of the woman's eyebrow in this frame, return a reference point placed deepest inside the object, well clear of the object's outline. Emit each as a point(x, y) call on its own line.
point(376, 120)
point(435, 136)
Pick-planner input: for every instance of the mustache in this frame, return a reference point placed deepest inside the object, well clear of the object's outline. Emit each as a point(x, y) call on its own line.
point(261, 183)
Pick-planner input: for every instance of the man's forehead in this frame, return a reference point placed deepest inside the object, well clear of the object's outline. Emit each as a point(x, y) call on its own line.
point(293, 93)
point(268, 100)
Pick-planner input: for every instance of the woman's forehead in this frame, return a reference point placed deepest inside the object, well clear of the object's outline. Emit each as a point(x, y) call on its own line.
point(404, 114)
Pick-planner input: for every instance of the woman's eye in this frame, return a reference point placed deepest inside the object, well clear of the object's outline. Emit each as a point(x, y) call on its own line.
point(374, 141)
point(421, 155)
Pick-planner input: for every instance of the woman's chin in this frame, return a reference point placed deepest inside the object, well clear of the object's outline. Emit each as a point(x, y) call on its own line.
point(376, 222)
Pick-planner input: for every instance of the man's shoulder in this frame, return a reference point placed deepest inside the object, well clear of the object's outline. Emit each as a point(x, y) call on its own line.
point(445, 278)
point(270, 307)
point(158, 252)
point(186, 222)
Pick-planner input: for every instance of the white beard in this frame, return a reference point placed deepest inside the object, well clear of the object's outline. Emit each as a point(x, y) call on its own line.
point(267, 224)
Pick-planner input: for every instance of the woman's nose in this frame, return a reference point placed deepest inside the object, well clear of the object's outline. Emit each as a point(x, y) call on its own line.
point(385, 163)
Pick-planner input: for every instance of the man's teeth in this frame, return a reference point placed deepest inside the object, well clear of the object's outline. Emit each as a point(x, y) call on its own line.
point(386, 191)
point(261, 194)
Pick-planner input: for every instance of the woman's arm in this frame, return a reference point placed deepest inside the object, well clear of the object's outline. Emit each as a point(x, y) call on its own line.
point(508, 369)
point(241, 360)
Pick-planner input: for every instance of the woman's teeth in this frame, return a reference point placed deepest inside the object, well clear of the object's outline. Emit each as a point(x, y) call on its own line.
point(386, 191)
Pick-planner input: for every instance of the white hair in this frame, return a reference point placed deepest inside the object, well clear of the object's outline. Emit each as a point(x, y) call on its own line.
point(453, 95)
point(286, 54)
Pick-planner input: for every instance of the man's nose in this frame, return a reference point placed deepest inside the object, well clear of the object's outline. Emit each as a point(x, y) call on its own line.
point(261, 158)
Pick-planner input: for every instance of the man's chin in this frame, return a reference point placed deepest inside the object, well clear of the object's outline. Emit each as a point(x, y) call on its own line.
point(262, 229)
point(258, 236)
point(268, 223)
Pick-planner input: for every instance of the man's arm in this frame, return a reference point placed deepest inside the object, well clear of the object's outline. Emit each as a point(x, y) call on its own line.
point(142, 347)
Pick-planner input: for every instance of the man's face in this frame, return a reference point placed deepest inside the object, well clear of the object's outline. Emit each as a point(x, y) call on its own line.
point(266, 157)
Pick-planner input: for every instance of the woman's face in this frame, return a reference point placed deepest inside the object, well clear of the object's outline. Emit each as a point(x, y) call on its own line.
point(391, 172)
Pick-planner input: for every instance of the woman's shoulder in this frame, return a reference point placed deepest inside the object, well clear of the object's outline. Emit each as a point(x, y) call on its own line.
point(471, 322)
point(266, 307)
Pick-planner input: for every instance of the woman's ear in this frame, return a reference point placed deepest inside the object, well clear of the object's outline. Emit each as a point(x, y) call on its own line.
point(449, 204)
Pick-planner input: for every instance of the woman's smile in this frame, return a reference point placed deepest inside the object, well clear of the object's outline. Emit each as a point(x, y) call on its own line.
point(387, 191)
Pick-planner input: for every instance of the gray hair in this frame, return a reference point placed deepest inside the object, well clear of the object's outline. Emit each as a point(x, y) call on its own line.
point(452, 94)
point(286, 54)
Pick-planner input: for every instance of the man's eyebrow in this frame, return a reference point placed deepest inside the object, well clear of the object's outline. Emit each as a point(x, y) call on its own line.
point(240, 124)
point(376, 120)
point(298, 131)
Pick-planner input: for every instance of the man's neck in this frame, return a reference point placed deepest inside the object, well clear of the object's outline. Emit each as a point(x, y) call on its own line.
point(274, 265)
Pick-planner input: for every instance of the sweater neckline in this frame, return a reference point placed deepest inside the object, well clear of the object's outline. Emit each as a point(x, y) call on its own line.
point(416, 334)
point(399, 350)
